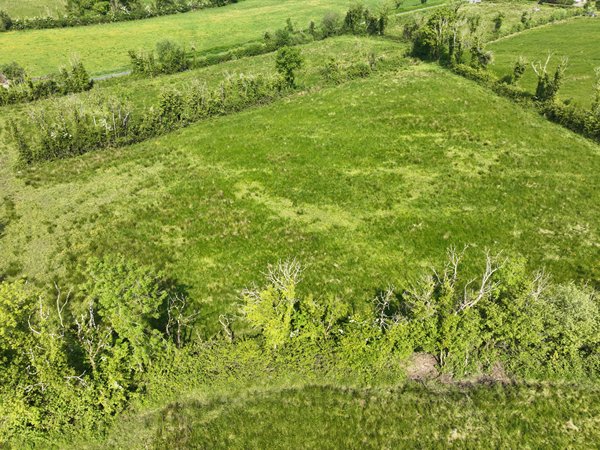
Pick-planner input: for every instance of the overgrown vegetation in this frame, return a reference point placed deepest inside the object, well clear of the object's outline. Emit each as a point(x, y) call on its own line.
point(77, 358)
point(22, 88)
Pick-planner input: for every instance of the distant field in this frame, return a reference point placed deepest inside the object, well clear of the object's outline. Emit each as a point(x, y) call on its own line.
point(577, 39)
point(412, 416)
point(37, 8)
point(365, 184)
point(103, 48)
point(31, 8)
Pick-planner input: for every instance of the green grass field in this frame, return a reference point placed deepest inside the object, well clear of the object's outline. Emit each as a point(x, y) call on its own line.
point(103, 48)
point(575, 39)
point(365, 184)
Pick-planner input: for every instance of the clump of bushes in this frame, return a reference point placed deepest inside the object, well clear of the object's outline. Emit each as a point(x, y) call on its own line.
point(169, 58)
point(76, 360)
point(23, 89)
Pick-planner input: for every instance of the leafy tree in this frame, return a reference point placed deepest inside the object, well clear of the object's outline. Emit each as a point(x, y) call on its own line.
point(287, 62)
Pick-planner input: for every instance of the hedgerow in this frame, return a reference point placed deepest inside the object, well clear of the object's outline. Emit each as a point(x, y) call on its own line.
point(72, 362)
point(64, 129)
point(23, 89)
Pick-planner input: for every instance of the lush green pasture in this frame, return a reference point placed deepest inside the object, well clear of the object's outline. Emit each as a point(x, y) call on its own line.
point(365, 184)
point(103, 48)
point(410, 416)
point(576, 39)
point(32, 8)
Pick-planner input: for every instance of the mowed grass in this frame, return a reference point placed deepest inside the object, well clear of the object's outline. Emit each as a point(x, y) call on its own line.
point(409, 416)
point(576, 39)
point(366, 184)
point(103, 48)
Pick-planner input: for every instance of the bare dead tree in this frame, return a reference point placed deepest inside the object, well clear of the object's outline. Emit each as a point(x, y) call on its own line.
point(178, 320)
point(225, 322)
point(486, 285)
point(93, 337)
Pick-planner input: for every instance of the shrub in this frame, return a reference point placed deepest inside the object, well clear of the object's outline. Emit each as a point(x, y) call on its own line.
point(171, 57)
point(518, 70)
point(13, 72)
point(331, 24)
point(6, 22)
point(498, 21)
point(287, 61)
point(547, 87)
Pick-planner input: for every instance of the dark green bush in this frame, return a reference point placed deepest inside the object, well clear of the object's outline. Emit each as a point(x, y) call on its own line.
point(6, 22)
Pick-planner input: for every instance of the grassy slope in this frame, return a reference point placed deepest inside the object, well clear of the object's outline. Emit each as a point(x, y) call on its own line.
point(577, 39)
point(409, 416)
point(103, 48)
point(381, 174)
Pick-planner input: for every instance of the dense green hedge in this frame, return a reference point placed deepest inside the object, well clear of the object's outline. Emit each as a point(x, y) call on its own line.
point(73, 362)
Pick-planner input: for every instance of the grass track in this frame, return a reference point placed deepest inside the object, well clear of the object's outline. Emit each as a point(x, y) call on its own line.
point(577, 39)
point(410, 416)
